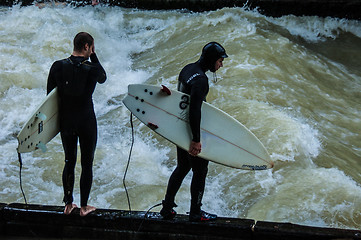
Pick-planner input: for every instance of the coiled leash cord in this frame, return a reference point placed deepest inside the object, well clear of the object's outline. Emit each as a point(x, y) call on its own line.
point(125, 174)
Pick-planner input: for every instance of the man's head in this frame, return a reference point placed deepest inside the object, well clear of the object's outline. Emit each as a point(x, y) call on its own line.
point(212, 56)
point(83, 43)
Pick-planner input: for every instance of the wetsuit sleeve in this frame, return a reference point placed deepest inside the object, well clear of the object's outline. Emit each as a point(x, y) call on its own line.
point(101, 75)
point(51, 84)
point(197, 95)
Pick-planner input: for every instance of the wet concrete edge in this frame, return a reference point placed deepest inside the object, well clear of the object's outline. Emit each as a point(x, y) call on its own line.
point(42, 221)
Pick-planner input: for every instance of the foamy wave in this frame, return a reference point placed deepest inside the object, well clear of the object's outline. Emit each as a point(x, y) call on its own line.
point(307, 192)
point(16, 108)
point(316, 29)
point(284, 135)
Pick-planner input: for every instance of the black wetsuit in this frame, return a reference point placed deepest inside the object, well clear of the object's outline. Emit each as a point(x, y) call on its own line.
point(193, 81)
point(76, 79)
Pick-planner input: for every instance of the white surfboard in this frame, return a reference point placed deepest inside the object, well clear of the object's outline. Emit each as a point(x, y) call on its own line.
point(224, 140)
point(42, 126)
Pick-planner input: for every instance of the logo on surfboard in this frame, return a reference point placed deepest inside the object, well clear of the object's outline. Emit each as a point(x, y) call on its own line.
point(184, 103)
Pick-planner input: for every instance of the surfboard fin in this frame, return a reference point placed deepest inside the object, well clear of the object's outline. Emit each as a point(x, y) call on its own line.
point(166, 90)
point(41, 146)
point(41, 116)
point(152, 126)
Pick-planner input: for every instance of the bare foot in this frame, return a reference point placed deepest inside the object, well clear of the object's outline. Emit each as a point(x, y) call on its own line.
point(69, 208)
point(95, 2)
point(86, 210)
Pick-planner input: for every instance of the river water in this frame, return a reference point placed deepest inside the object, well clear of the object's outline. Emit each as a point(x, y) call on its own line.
point(293, 81)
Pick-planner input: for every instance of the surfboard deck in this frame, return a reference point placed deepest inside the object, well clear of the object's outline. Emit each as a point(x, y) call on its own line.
point(42, 126)
point(224, 139)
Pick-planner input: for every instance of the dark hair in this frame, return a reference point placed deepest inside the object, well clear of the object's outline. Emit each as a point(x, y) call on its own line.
point(81, 39)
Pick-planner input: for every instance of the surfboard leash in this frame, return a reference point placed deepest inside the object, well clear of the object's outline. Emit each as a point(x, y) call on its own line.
point(125, 174)
point(21, 184)
point(146, 215)
point(130, 154)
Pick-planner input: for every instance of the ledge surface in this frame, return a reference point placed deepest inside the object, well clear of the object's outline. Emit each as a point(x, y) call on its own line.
point(39, 221)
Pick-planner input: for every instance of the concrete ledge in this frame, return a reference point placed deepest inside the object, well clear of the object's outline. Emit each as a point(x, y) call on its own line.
point(2, 218)
point(38, 221)
point(350, 9)
point(273, 231)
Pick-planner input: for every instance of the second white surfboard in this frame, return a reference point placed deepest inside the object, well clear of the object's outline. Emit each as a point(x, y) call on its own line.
point(224, 140)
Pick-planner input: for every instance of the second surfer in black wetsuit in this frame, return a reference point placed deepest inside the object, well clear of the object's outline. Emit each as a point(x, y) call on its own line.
point(76, 79)
point(193, 81)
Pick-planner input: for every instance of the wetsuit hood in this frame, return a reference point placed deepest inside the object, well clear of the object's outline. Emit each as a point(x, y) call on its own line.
point(211, 52)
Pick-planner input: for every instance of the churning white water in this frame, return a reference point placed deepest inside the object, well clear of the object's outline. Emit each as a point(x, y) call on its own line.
point(293, 81)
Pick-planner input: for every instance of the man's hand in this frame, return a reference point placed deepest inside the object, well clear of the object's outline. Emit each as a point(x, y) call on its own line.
point(195, 148)
point(92, 49)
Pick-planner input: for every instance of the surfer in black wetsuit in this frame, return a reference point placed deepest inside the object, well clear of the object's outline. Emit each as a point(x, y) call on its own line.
point(76, 79)
point(193, 81)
